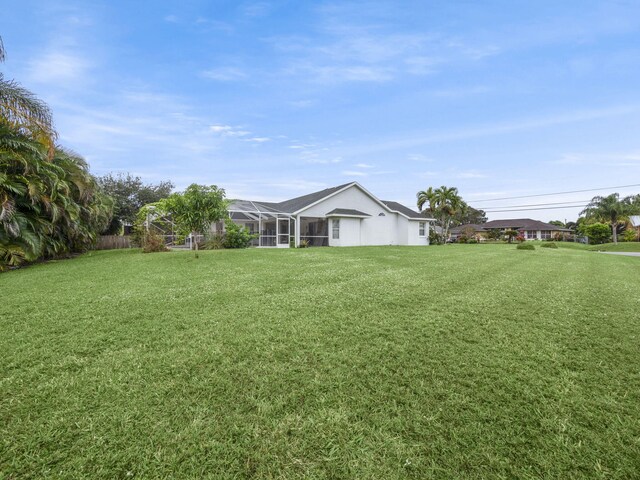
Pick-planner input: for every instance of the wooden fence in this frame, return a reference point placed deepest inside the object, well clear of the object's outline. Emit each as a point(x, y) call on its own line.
point(110, 242)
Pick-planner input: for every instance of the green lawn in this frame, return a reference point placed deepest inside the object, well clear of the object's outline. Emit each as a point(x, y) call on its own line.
point(459, 361)
point(617, 247)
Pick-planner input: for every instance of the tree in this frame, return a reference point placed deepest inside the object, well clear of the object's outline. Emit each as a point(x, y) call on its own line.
point(129, 195)
point(23, 112)
point(557, 223)
point(597, 233)
point(469, 215)
point(195, 209)
point(444, 204)
point(510, 234)
point(610, 209)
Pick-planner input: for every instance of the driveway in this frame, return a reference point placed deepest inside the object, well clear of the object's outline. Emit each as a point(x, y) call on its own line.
point(627, 254)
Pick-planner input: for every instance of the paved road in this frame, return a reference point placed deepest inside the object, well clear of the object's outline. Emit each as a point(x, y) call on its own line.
point(627, 254)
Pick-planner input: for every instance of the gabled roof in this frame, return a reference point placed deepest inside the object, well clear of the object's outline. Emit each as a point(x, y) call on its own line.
point(298, 203)
point(476, 228)
point(348, 212)
point(407, 212)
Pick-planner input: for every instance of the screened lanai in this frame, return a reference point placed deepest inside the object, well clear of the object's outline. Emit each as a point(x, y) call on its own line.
point(274, 228)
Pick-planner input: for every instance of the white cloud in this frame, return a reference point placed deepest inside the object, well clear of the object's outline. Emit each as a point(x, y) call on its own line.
point(59, 68)
point(258, 139)
point(363, 165)
point(354, 173)
point(171, 18)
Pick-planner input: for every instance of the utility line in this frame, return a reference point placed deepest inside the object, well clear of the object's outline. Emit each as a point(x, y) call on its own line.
point(537, 204)
point(556, 193)
point(541, 208)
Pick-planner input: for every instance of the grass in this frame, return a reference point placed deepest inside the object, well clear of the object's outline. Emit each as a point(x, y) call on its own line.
point(617, 247)
point(391, 362)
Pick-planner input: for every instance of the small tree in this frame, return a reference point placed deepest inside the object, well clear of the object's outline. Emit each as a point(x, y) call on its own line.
point(630, 235)
point(196, 208)
point(237, 236)
point(510, 234)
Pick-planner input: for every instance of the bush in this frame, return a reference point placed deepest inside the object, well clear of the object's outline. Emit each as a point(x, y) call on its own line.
point(526, 246)
point(629, 235)
point(214, 242)
point(236, 236)
point(304, 243)
point(549, 245)
point(520, 239)
point(597, 233)
point(434, 238)
point(472, 240)
point(153, 242)
point(462, 239)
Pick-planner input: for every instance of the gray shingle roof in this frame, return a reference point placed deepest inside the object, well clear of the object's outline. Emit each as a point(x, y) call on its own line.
point(298, 203)
point(398, 207)
point(347, 211)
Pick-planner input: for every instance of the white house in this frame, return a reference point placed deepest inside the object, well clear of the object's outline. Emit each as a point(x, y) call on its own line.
point(346, 215)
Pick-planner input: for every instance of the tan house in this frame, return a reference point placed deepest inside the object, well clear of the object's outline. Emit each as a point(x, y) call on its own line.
point(528, 228)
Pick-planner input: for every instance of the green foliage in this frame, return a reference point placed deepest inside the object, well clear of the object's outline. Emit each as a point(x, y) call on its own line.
point(549, 245)
point(510, 234)
point(434, 238)
point(494, 234)
point(630, 235)
point(472, 240)
point(195, 209)
point(213, 242)
point(526, 246)
point(129, 195)
point(444, 203)
point(611, 210)
point(236, 236)
point(462, 239)
point(50, 205)
point(153, 242)
point(597, 233)
point(304, 243)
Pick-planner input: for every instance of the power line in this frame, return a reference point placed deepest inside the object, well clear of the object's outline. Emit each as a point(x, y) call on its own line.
point(541, 208)
point(536, 204)
point(556, 193)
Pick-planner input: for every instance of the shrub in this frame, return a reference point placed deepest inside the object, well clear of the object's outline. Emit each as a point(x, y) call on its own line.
point(236, 236)
point(629, 235)
point(472, 240)
point(519, 239)
point(462, 239)
point(434, 238)
point(214, 242)
point(304, 243)
point(597, 233)
point(549, 245)
point(526, 246)
point(153, 242)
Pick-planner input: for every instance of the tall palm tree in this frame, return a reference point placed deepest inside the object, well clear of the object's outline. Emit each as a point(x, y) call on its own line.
point(444, 203)
point(610, 209)
point(23, 111)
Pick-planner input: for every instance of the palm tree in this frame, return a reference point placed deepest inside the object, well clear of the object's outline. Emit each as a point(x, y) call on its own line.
point(444, 203)
point(23, 111)
point(610, 209)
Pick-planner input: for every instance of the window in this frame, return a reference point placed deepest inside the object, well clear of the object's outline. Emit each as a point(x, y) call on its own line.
point(532, 234)
point(335, 228)
point(545, 234)
point(381, 214)
point(422, 229)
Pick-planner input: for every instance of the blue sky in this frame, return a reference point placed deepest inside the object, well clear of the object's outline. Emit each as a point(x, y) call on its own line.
point(275, 99)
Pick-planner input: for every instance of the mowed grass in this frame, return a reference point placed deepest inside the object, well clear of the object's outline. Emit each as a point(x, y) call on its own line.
point(461, 361)
point(617, 247)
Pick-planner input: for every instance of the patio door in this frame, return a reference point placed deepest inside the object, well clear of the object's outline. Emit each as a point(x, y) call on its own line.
point(283, 231)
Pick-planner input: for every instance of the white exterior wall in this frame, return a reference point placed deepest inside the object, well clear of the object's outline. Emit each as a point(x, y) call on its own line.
point(413, 230)
point(402, 226)
point(349, 232)
point(374, 230)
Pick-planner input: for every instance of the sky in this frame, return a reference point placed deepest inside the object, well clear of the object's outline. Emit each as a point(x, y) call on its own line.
point(275, 99)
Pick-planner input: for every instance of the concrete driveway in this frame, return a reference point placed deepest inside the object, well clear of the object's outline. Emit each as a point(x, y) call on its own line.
point(626, 254)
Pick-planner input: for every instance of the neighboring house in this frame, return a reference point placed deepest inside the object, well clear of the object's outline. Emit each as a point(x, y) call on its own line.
point(346, 215)
point(531, 229)
point(635, 222)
